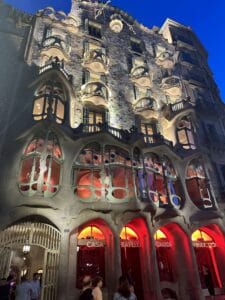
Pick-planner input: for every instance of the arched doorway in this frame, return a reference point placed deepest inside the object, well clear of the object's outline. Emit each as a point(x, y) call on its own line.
point(209, 245)
point(90, 253)
point(164, 256)
point(134, 245)
point(26, 248)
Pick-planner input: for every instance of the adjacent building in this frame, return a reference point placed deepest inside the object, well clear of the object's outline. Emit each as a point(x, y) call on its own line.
point(112, 154)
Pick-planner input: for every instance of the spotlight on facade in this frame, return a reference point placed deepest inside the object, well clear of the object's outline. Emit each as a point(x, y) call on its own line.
point(26, 248)
point(116, 24)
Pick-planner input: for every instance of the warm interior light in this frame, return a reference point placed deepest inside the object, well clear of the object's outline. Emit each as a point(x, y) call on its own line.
point(159, 235)
point(200, 235)
point(26, 248)
point(128, 234)
point(91, 232)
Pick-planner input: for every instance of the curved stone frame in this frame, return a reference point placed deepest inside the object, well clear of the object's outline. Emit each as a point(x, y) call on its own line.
point(49, 99)
point(46, 158)
point(166, 171)
point(106, 188)
point(36, 234)
point(200, 181)
point(188, 131)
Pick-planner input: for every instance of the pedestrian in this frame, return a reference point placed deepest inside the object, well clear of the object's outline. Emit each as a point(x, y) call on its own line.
point(86, 293)
point(97, 284)
point(124, 291)
point(4, 289)
point(23, 290)
point(35, 285)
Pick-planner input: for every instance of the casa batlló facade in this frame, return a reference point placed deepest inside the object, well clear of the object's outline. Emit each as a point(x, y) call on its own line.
point(112, 154)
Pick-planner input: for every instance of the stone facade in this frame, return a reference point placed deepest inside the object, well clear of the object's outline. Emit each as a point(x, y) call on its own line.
point(116, 128)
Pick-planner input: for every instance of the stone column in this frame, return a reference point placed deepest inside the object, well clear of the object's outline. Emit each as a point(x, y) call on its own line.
point(63, 266)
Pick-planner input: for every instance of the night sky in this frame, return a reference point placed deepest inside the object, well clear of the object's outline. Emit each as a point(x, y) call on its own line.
point(206, 17)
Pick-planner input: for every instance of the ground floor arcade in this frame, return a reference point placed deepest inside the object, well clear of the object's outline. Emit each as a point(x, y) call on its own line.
point(164, 262)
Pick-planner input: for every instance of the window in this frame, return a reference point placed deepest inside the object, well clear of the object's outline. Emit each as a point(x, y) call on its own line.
point(40, 167)
point(197, 184)
point(184, 37)
point(185, 133)
point(93, 119)
point(157, 181)
point(189, 57)
point(149, 131)
point(136, 46)
point(49, 101)
point(94, 29)
point(103, 174)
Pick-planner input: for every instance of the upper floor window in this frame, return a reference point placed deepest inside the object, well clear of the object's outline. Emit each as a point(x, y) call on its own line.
point(198, 185)
point(40, 167)
point(189, 57)
point(94, 29)
point(49, 100)
point(157, 181)
point(136, 46)
point(185, 133)
point(94, 118)
point(103, 174)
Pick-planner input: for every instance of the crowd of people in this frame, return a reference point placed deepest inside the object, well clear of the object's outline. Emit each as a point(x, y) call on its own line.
point(25, 290)
point(92, 289)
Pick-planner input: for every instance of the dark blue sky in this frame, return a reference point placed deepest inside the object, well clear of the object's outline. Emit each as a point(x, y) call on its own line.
point(206, 17)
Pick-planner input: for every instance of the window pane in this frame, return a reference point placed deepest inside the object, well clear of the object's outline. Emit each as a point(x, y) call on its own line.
point(38, 107)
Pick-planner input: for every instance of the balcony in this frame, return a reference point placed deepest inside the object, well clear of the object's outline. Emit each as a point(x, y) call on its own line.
point(140, 76)
point(122, 135)
point(146, 107)
point(56, 64)
point(165, 60)
point(171, 110)
point(156, 139)
point(95, 93)
point(96, 61)
point(54, 46)
point(172, 87)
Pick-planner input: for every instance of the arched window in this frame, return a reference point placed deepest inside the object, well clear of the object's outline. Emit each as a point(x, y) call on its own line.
point(173, 183)
point(198, 185)
point(49, 100)
point(40, 168)
point(164, 256)
point(185, 133)
point(103, 174)
point(157, 181)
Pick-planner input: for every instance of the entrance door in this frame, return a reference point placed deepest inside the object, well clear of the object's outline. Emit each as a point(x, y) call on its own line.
point(44, 241)
point(207, 264)
point(130, 259)
point(90, 254)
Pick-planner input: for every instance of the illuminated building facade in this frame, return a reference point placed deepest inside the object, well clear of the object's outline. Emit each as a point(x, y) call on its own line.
point(112, 154)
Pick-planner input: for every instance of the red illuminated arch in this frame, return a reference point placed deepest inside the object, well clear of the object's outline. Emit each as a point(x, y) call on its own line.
point(91, 232)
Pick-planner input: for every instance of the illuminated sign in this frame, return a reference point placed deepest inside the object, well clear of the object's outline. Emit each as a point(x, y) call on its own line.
point(91, 243)
point(130, 243)
point(204, 244)
point(162, 244)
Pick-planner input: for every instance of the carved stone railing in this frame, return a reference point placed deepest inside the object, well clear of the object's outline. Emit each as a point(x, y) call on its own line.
point(146, 107)
point(56, 41)
point(96, 60)
point(171, 110)
point(57, 65)
point(140, 75)
point(123, 135)
point(95, 92)
point(172, 86)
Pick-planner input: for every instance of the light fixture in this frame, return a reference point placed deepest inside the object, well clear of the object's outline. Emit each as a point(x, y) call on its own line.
point(26, 248)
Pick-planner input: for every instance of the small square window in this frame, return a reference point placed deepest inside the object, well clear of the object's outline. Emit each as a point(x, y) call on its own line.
point(136, 46)
point(94, 30)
